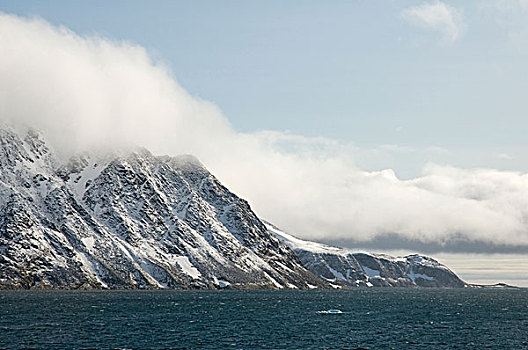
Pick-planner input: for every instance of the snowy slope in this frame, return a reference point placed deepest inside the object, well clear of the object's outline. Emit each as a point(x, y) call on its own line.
point(129, 221)
point(348, 268)
point(139, 221)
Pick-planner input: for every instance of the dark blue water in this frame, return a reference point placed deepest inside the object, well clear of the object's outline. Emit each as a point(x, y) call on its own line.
point(371, 318)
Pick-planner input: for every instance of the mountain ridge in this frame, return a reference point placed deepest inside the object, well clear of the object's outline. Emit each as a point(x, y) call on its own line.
point(135, 220)
point(360, 269)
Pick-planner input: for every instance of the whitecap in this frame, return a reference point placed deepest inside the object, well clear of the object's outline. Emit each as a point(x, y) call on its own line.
point(331, 311)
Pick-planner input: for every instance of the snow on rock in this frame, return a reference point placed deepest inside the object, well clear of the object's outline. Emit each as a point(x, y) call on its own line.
point(130, 220)
point(88, 242)
point(187, 267)
point(370, 272)
point(337, 274)
point(360, 269)
point(135, 220)
point(296, 243)
point(223, 284)
point(413, 276)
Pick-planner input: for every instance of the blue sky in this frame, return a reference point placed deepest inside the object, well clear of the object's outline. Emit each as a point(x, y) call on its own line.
point(355, 122)
point(358, 71)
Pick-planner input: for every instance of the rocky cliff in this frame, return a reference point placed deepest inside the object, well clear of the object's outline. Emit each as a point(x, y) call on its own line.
point(343, 267)
point(135, 220)
point(129, 221)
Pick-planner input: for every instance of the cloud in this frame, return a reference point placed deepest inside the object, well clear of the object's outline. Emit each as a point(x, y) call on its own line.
point(90, 91)
point(436, 16)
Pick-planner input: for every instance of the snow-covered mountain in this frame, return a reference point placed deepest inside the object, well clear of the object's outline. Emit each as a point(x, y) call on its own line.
point(135, 220)
point(344, 267)
point(129, 221)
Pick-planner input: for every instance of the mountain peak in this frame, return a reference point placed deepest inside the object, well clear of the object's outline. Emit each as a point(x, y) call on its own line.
point(129, 220)
point(135, 220)
point(186, 162)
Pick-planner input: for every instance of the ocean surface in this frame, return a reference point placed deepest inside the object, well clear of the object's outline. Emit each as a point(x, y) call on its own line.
point(370, 319)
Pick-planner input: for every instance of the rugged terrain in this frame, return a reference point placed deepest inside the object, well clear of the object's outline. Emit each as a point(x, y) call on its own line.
point(344, 267)
point(132, 221)
point(135, 220)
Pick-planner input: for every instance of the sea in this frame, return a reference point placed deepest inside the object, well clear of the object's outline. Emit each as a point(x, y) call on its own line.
point(370, 318)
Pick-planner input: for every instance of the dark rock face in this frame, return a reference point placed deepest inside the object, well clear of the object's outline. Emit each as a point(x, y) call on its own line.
point(132, 221)
point(344, 268)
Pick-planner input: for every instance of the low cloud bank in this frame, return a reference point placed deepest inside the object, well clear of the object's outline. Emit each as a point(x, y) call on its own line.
point(85, 92)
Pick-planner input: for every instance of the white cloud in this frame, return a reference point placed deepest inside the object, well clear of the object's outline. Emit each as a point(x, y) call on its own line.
point(92, 91)
point(437, 16)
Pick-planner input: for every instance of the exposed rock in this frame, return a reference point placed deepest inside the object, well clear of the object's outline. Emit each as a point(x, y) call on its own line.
point(139, 221)
point(344, 267)
point(132, 221)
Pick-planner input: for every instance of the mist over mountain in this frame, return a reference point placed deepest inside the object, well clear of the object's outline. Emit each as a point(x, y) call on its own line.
point(134, 220)
point(88, 93)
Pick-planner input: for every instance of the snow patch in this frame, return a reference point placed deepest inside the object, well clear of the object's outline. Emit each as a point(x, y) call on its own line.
point(370, 272)
point(81, 181)
point(223, 284)
point(91, 268)
point(277, 284)
point(296, 243)
point(413, 276)
point(336, 273)
point(88, 242)
point(187, 267)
